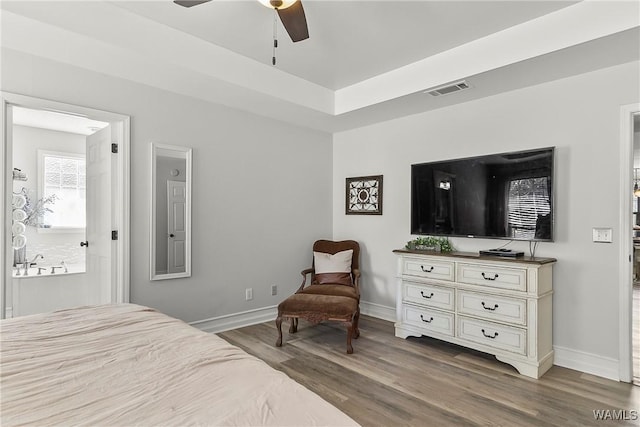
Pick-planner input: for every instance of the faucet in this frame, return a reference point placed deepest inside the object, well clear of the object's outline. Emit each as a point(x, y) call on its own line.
point(27, 264)
point(63, 264)
point(36, 257)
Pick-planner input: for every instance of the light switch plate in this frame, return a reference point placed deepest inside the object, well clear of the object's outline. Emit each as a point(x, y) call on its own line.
point(602, 235)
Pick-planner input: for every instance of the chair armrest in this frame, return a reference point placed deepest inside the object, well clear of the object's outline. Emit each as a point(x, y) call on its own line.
point(356, 280)
point(304, 277)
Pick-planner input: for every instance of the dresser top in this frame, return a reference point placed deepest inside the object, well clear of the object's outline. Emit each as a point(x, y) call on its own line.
point(477, 256)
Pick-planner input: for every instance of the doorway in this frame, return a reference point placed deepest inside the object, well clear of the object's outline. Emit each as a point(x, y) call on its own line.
point(66, 206)
point(635, 298)
point(629, 292)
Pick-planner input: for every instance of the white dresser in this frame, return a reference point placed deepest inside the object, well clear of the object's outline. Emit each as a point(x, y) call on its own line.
point(501, 306)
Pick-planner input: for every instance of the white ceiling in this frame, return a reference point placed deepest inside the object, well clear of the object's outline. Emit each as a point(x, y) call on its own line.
point(365, 61)
point(53, 120)
point(349, 41)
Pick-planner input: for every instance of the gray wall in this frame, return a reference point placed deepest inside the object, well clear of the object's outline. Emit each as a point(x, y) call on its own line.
point(261, 189)
point(580, 116)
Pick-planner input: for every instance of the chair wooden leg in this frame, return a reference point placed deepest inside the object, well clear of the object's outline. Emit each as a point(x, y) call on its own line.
point(279, 326)
point(349, 335)
point(356, 321)
point(294, 325)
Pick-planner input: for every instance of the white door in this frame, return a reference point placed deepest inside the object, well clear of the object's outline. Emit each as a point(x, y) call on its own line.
point(176, 226)
point(99, 214)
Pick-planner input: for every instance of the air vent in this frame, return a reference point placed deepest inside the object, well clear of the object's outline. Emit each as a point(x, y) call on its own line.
point(450, 88)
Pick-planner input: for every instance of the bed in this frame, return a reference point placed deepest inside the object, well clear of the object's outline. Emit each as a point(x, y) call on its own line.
point(126, 365)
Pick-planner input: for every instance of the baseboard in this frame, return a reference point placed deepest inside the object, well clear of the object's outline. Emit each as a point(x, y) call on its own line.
point(237, 320)
point(589, 363)
point(378, 311)
point(266, 314)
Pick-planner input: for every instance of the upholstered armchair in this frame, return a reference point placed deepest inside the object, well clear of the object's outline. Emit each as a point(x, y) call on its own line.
point(333, 292)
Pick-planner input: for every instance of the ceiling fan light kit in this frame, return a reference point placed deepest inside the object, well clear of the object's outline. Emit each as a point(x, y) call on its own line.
point(291, 15)
point(277, 4)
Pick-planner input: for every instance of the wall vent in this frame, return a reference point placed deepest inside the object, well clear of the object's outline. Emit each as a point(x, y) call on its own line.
point(450, 88)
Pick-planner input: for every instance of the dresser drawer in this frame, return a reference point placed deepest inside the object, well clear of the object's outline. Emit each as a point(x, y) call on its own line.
point(493, 335)
point(429, 295)
point(502, 309)
point(442, 270)
point(428, 319)
point(495, 277)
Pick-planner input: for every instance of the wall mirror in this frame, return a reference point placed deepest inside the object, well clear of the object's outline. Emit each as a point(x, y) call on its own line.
point(170, 254)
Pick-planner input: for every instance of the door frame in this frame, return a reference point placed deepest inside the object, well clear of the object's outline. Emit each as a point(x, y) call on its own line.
point(625, 369)
point(121, 194)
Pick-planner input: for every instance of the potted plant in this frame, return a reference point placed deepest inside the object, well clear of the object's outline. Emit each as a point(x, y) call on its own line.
point(430, 243)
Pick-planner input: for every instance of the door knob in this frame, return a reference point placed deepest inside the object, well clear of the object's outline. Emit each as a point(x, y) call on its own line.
point(85, 243)
point(171, 235)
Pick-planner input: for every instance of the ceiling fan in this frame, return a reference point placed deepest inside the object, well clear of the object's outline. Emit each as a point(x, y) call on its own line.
point(290, 12)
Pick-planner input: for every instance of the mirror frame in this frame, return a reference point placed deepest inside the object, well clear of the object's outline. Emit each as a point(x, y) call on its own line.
point(182, 153)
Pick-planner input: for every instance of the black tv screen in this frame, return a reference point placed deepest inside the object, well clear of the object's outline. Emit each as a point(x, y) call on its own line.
point(506, 196)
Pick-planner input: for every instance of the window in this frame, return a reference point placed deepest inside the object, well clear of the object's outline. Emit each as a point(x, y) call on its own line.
point(63, 175)
point(529, 206)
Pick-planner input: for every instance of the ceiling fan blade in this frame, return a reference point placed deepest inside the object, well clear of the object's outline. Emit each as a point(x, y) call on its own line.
point(189, 3)
point(294, 21)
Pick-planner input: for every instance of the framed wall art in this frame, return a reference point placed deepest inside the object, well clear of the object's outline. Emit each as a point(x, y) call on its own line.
point(364, 195)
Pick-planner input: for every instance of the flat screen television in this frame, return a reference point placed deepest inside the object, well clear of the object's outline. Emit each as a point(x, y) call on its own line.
point(503, 196)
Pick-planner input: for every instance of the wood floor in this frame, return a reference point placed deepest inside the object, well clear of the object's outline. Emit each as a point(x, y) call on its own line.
point(389, 381)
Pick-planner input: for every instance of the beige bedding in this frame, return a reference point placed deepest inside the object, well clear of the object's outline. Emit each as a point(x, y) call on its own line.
point(125, 365)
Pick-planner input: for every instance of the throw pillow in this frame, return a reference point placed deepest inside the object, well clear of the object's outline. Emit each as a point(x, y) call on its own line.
point(333, 269)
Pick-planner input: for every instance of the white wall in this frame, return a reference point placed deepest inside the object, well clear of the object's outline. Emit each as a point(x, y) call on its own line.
point(261, 189)
point(580, 117)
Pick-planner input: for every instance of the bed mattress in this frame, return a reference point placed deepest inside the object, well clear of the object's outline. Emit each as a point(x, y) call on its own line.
point(129, 365)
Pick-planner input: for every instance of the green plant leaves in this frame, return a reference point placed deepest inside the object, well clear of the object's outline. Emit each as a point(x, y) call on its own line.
point(441, 244)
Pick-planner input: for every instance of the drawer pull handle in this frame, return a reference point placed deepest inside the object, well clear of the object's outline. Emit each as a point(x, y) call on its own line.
point(426, 321)
point(495, 334)
point(489, 308)
point(426, 296)
point(490, 278)
point(428, 270)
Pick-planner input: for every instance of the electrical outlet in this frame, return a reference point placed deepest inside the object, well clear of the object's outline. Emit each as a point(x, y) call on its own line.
point(274, 289)
point(248, 294)
point(602, 235)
